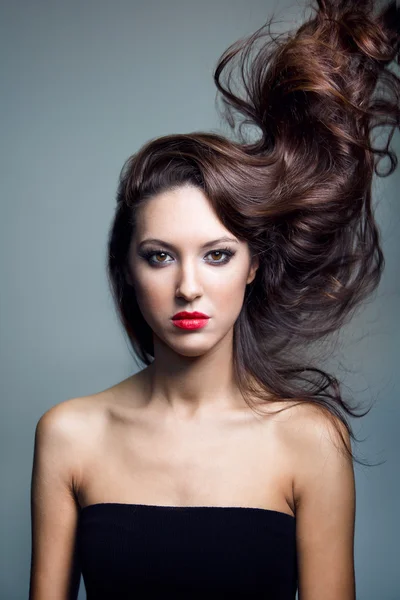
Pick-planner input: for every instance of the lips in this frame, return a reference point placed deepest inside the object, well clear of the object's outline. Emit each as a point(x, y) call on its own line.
point(190, 320)
point(189, 315)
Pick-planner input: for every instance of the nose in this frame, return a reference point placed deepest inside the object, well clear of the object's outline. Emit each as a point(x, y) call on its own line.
point(188, 285)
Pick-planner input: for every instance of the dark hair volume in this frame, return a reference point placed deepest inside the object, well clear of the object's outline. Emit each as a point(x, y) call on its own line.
point(299, 194)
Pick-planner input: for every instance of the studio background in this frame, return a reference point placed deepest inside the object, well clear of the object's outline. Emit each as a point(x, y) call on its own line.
point(84, 85)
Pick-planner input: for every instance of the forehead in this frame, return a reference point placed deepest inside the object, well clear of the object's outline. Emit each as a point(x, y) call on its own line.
point(182, 214)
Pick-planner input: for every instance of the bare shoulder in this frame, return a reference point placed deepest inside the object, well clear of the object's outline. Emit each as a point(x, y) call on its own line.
point(81, 415)
point(70, 428)
point(324, 499)
point(70, 420)
point(315, 441)
point(306, 426)
point(77, 422)
point(63, 439)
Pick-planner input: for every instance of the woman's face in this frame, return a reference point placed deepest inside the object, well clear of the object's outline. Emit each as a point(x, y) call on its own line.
point(184, 271)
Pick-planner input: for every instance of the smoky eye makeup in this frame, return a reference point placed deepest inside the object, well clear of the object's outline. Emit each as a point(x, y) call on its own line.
point(149, 254)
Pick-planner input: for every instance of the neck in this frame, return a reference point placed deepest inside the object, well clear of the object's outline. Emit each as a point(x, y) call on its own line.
point(190, 386)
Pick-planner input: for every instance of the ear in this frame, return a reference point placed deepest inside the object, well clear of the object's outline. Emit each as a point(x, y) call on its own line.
point(255, 263)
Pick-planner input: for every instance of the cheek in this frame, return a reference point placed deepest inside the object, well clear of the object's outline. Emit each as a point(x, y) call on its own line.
point(227, 294)
point(153, 299)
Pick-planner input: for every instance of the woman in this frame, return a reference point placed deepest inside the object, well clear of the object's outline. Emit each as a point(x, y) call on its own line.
point(224, 467)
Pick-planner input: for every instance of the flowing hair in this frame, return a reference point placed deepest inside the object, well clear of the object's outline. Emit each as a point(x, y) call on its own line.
point(299, 194)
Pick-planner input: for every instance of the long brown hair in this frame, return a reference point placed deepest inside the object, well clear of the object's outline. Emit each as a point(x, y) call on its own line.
point(299, 194)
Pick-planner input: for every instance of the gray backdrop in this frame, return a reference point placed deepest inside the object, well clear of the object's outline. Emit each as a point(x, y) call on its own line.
point(84, 85)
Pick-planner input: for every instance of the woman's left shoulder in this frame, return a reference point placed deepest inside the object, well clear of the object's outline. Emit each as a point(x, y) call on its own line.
point(324, 499)
point(316, 444)
point(306, 427)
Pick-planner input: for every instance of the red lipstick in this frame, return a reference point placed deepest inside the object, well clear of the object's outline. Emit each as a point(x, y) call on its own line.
point(190, 320)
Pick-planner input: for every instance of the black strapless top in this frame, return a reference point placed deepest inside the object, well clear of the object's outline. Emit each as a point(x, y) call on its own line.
point(150, 551)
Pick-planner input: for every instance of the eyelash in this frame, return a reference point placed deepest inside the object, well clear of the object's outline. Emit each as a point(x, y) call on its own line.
point(147, 254)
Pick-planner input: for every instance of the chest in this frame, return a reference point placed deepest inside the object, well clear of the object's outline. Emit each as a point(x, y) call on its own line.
point(212, 462)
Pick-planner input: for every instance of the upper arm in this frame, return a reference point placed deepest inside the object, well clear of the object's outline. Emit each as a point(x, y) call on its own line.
point(325, 512)
point(55, 572)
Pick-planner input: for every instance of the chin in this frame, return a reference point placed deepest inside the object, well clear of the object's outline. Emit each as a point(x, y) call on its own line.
point(191, 350)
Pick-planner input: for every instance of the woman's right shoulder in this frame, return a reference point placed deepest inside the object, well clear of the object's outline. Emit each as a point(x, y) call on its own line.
point(71, 419)
point(79, 420)
point(64, 441)
point(76, 425)
point(69, 431)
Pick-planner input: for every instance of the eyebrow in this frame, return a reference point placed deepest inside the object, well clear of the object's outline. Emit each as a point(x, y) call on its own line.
point(172, 247)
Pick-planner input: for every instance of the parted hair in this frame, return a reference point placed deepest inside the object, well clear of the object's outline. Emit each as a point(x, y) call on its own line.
point(298, 190)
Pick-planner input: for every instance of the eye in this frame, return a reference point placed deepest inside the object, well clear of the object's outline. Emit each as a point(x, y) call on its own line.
point(221, 256)
point(228, 255)
point(148, 254)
